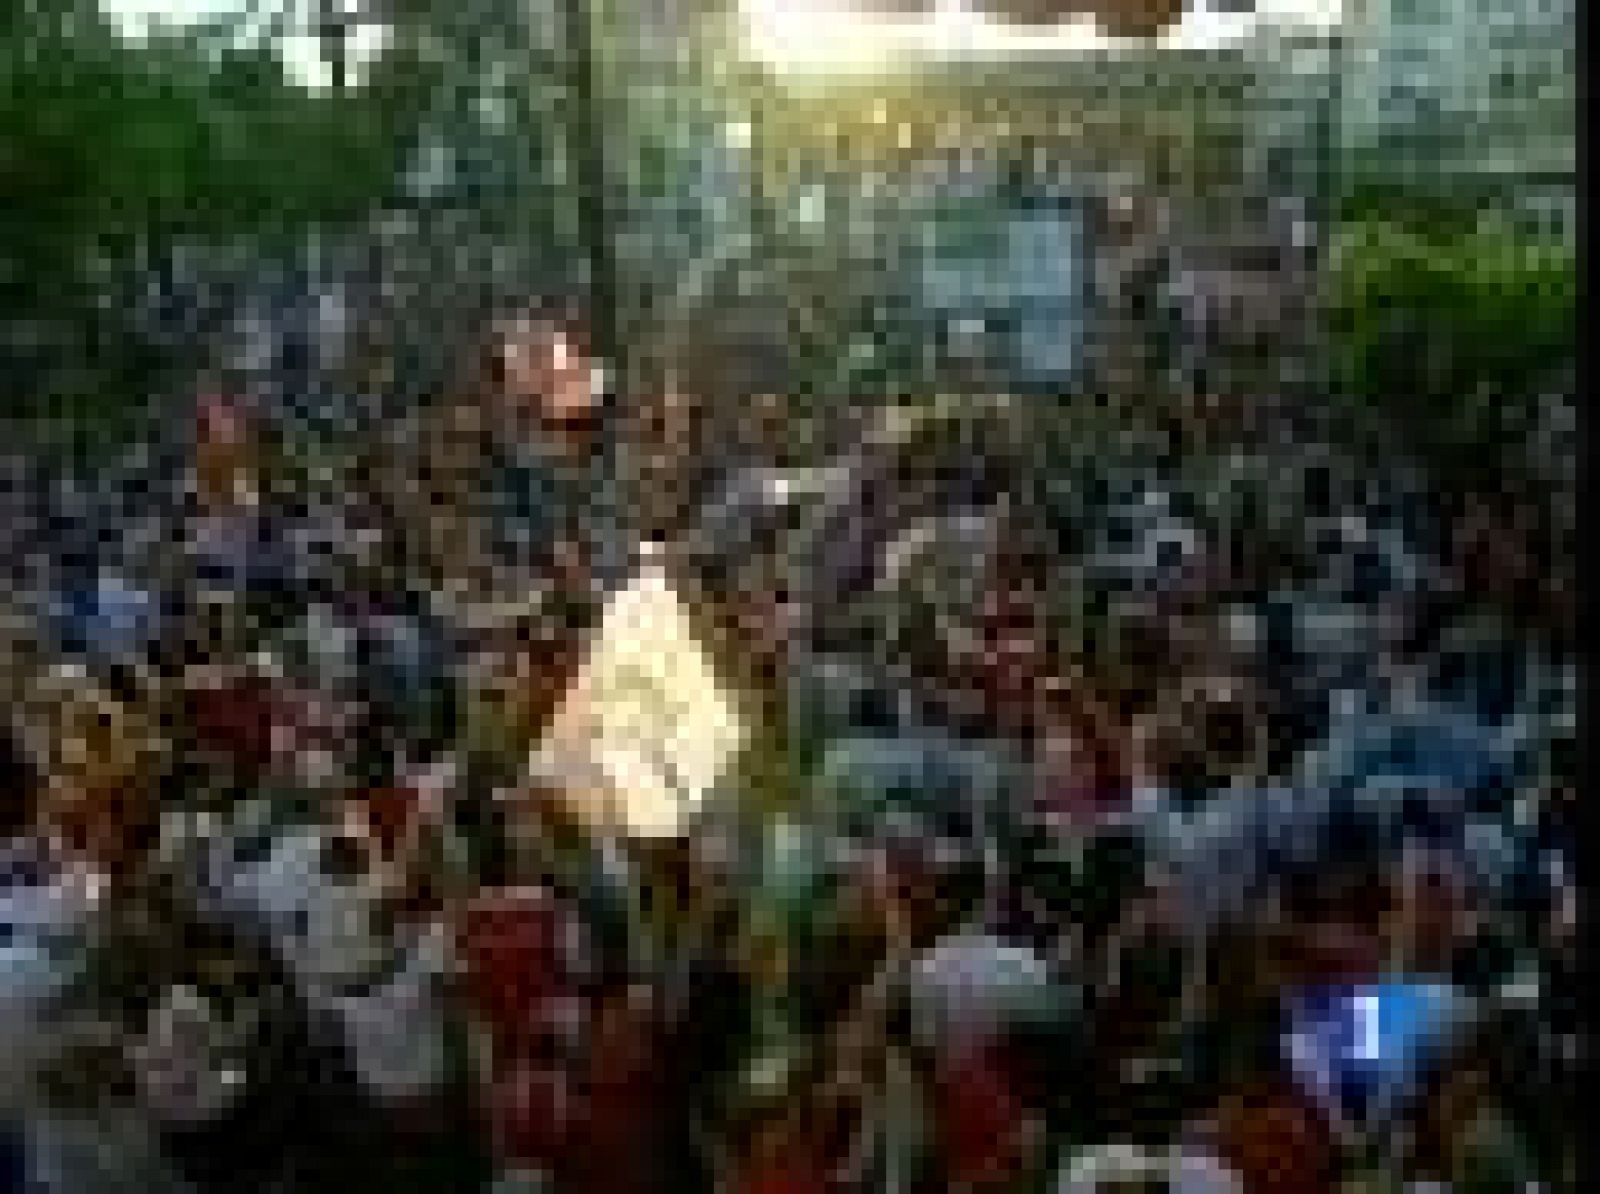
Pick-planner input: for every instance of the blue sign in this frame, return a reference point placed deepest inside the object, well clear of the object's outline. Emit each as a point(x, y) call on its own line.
point(1011, 277)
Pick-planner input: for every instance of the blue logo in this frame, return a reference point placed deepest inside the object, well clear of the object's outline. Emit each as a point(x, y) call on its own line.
point(1362, 1049)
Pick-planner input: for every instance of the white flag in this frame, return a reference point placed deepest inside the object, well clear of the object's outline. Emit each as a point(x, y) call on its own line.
point(646, 730)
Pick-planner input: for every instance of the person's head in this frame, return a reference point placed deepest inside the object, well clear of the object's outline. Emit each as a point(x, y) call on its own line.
point(101, 749)
point(539, 371)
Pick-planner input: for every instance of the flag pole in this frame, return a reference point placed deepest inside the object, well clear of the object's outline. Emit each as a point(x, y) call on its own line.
point(586, 132)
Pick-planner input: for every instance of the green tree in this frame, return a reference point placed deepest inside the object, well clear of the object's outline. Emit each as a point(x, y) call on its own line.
point(1445, 342)
point(113, 151)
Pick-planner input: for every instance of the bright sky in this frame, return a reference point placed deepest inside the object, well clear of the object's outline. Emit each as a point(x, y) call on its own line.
point(797, 35)
point(300, 50)
point(832, 35)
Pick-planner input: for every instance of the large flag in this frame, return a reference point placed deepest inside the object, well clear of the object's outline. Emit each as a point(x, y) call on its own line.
point(647, 728)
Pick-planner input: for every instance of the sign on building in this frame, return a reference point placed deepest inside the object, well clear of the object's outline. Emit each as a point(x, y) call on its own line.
point(1006, 280)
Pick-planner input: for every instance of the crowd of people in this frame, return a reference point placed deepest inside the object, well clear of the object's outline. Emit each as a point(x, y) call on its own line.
point(1104, 819)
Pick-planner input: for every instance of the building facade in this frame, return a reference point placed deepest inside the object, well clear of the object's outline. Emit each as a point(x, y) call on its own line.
point(1466, 90)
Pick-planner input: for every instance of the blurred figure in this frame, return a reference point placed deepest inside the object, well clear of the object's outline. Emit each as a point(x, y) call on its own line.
point(986, 1014)
point(103, 749)
point(109, 622)
point(523, 979)
point(244, 1085)
point(224, 442)
point(494, 482)
point(44, 909)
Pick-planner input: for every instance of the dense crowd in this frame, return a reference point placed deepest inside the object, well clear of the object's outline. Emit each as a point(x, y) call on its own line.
point(1105, 818)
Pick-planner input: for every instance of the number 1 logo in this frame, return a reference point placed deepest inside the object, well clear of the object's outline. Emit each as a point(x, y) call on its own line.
point(1367, 1046)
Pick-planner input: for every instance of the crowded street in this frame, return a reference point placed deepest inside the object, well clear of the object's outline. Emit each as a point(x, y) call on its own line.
point(467, 741)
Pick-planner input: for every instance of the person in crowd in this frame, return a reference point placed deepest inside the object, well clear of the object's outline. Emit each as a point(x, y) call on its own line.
point(495, 472)
point(1086, 827)
point(37, 905)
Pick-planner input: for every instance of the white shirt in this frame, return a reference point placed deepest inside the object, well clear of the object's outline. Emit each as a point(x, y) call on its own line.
point(396, 1030)
point(44, 912)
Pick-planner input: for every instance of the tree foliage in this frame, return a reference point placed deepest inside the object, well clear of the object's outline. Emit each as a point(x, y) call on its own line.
point(112, 151)
point(105, 141)
point(1447, 341)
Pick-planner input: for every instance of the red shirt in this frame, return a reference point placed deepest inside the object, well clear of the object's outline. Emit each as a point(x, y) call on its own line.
point(800, 1166)
point(617, 1143)
point(534, 1111)
point(515, 960)
point(238, 720)
point(983, 1119)
point(1277, 1143)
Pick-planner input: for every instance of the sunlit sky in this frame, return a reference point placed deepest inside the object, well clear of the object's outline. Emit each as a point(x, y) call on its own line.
point(799, 35)
point(299, 48)
point(812, 35)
